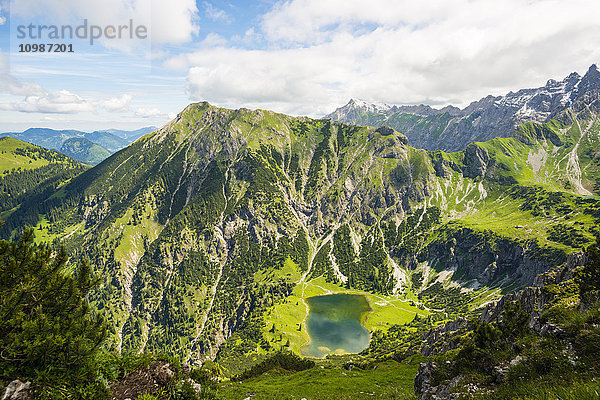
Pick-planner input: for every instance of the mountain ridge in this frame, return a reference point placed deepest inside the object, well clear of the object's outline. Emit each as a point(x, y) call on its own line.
point(27, 170)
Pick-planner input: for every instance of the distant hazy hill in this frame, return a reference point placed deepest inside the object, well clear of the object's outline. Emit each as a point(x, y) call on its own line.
point(45, 137)
point(130, 135)
point(110, 140)
point(106, 140)
point(84, 150)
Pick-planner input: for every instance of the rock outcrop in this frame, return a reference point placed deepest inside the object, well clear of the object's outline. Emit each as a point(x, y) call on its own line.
point(152, 379)
point(444, 337)
point(17, 390)
point(533, 300)
point(489, 258)
point(425, 387)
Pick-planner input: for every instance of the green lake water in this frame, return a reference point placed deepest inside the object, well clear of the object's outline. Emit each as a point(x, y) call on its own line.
point(334, 324)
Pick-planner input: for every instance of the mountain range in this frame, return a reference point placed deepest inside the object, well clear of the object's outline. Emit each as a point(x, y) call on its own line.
point(452, 129)
point(106, 141)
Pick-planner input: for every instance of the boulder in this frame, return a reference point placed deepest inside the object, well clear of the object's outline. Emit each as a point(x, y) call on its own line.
point(17, 390)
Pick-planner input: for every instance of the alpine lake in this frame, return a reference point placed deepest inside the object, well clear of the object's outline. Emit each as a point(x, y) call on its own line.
point(335, 324)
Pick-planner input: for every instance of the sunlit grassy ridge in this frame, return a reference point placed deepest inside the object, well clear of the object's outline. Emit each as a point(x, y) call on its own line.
point(15, 154)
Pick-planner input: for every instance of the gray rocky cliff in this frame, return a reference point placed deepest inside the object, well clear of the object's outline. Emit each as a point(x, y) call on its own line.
point(444, 337)
point(489, 259)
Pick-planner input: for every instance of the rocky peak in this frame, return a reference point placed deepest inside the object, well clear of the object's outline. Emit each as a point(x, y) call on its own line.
point(365, 106)
point(421, 109)
point(590, 81)
point(571, 82)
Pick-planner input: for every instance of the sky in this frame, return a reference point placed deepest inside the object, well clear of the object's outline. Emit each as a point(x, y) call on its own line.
point(299, 57)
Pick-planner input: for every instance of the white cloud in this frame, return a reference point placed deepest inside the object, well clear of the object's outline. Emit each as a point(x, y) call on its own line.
point(36, 98)
point(60, 102)
point(216, 14)
point(321, 53)
point(168, 21)
point(14, 86)
point(310, 56)
point(173, 21)
point(117, 104)
point(213, 40)
point(54, 118)
point(2, 12)
point(148, 112)
point(39, 100)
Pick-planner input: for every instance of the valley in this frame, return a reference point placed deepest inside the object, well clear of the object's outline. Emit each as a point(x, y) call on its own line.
point(227, 237)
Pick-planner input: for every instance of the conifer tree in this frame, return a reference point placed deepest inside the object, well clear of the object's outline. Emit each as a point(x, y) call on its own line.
point(48, 333)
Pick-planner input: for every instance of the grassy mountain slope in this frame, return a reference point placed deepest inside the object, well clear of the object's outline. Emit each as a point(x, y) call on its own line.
point(212, 230)
point(390, 380)
point(28, 171)
point(84, 150)
point(21, 155)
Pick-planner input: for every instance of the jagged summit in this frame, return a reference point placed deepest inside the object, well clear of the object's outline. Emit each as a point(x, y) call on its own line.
point(362, 103)
point(451, 128)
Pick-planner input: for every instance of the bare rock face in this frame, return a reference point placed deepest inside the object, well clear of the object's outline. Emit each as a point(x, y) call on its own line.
point(424, 378)
point(533, 299)
point(424, 385)
point(476, 161)
point(17, 390)
point(444, 337)
point(487, 261)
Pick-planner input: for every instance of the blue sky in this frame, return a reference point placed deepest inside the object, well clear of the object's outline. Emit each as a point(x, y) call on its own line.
point(301, 57)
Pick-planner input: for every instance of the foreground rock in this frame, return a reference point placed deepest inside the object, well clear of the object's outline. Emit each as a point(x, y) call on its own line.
point(150, 380)
point(17, 390)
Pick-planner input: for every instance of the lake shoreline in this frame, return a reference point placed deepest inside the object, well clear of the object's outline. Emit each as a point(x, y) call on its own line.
point(341, 319)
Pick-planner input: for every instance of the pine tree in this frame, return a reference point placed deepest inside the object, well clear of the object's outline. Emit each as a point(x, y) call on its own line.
point(48, 333)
